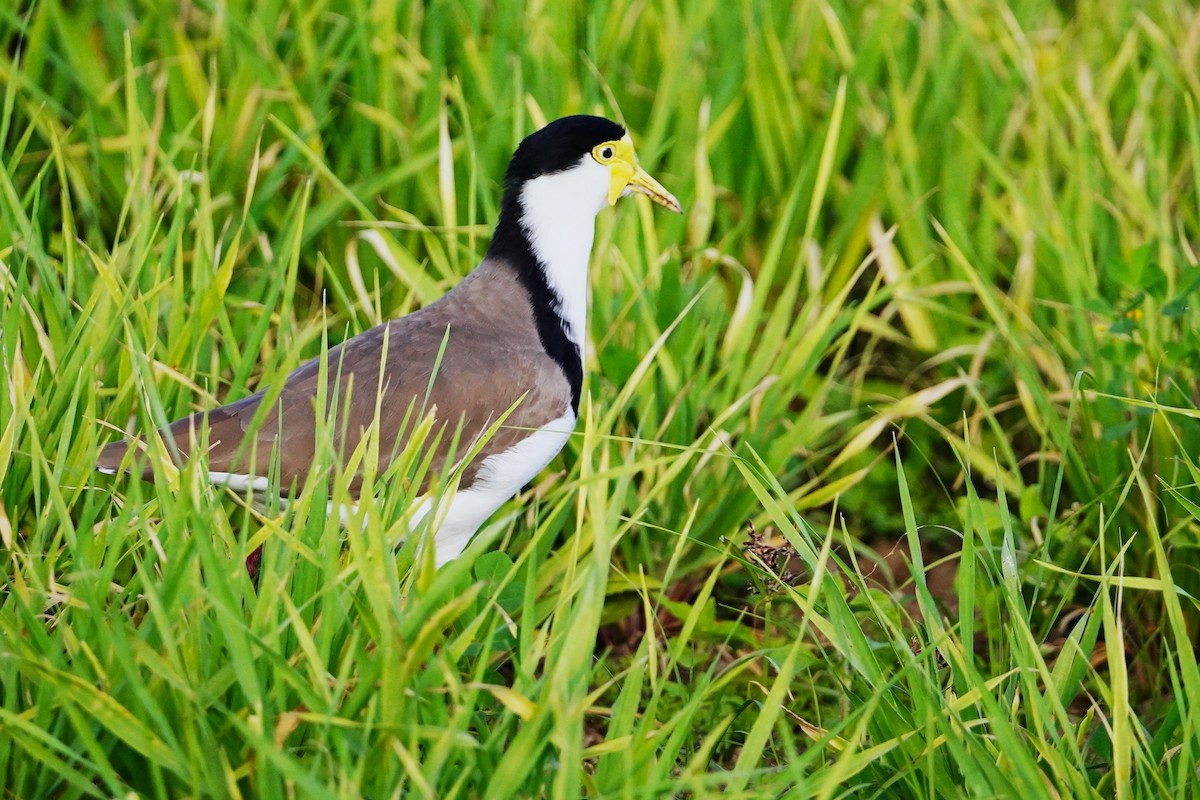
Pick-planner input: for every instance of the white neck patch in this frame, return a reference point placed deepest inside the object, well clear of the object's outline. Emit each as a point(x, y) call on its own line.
point(560, 219)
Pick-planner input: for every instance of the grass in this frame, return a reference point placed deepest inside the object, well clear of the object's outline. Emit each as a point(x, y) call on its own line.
point(885, 483)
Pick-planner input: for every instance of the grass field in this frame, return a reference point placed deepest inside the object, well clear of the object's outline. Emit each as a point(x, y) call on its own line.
point(886, 479)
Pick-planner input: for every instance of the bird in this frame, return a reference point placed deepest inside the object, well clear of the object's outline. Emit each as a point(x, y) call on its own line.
point(508, 338)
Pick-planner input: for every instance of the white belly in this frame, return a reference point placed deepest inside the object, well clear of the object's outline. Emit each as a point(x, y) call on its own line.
point(460, 514)
point(500, 476)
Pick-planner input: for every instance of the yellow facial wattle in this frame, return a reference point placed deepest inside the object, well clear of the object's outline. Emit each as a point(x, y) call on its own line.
point(626, 174)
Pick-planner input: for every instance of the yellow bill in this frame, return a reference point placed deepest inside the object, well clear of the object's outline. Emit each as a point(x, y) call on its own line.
point(628, 175)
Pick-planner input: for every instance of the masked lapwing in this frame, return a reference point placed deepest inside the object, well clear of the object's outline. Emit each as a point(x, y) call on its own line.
point(510, 336)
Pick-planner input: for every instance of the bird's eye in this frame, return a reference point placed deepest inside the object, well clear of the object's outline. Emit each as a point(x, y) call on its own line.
point(604, 153)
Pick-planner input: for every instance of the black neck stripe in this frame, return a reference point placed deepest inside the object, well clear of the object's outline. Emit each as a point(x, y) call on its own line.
point(511, 244)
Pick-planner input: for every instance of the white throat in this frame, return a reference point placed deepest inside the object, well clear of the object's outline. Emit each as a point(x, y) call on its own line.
point(560, 219)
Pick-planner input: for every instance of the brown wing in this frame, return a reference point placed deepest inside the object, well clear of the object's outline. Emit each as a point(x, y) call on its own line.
point(482, 373)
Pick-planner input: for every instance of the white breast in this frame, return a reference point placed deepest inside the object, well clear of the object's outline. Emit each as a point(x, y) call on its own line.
point(500, 476)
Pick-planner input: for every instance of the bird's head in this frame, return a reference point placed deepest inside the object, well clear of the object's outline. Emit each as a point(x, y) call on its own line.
point(581, 163)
